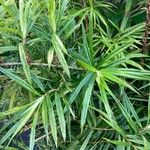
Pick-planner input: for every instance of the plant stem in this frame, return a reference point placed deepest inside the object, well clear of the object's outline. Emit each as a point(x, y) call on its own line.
point(146, 33)
point(37, 64)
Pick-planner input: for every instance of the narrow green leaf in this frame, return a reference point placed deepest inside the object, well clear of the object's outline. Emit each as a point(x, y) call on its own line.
point(5, 6)
point(4, 49)
point(104, 99)
point(16, 128)
point(38, 82)
point(68, 106)
point(101, 17)
point(123, 110)
point(33, 131)
point(45, 119)
point(19, 80)
point(146, 143)
point(24, 63)
point(60, 56)
point(50, 56)
point(126, 14)
point(87, 66)
point(117, 80)
point(131, 108)
point(52, 119)
point(8, 148)
point(121, 143)
point(10, 30)
point(22, 19)
point(86, 48)
point(62, 7)
point(90, 35)
point(79, 87)
point(61, 117)
point(111, 122)
point(83, 147)
point(51, 9)
point(86, 102)
point(60, 43)
point(26, 115)
point(13, 110)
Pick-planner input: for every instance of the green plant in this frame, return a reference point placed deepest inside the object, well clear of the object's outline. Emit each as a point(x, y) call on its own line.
point(73, 75)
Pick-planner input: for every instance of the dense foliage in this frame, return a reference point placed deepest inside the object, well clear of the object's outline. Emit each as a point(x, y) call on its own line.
point(74, 74)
